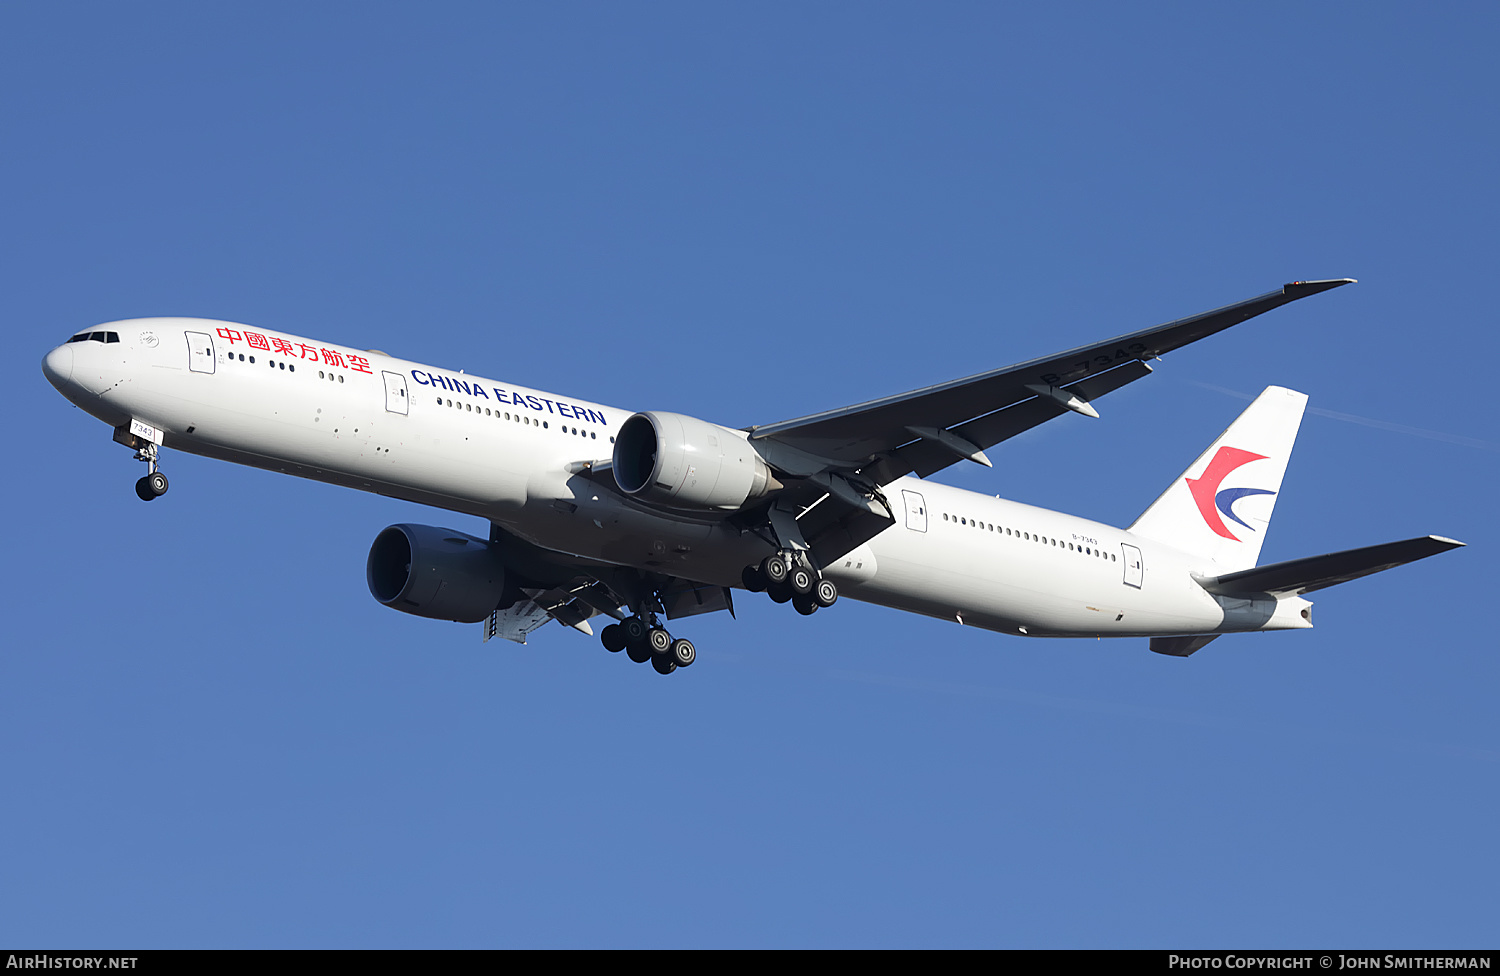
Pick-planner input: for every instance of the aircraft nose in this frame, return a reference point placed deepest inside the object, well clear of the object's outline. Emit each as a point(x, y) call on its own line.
point(57, 366)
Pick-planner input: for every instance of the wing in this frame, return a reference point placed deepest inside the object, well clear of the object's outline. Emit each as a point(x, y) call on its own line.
point(838, 461)
point(925, 430)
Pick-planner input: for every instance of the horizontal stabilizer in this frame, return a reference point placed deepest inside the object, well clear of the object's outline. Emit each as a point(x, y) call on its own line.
point(1317, 572)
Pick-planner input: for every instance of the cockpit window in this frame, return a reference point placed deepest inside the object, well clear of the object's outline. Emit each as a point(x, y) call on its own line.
point(96, 337)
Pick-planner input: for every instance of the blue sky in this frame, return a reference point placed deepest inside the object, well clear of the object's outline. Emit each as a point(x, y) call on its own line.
point(213, 736)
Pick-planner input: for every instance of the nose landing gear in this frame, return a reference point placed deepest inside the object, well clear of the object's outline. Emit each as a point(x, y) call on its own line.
point(154, 485)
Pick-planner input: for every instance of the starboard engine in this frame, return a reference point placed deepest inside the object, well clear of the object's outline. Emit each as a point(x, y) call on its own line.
point(688, 463)
point(433, 572)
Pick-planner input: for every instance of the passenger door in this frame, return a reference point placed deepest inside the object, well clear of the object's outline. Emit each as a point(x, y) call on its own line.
point(395, 393)
point(916, 511)
point(200, 352)
point(1135, 573)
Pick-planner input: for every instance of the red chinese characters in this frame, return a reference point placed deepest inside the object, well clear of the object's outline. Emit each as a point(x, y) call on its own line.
point(299, 350)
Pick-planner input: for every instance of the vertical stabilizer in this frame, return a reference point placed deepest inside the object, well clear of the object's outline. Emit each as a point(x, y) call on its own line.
point(1221, 506)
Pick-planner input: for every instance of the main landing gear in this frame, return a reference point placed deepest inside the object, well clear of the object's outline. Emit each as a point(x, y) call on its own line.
point(643, 639)
point(154, 485)
point(787, 577)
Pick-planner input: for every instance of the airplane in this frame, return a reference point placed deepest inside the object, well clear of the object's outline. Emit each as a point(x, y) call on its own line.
point(642, 517)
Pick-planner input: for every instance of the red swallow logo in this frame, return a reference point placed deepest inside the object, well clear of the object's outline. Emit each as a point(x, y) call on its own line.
point(1211, 501)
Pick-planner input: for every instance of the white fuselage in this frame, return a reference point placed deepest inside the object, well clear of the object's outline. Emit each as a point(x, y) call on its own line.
point(503, 452)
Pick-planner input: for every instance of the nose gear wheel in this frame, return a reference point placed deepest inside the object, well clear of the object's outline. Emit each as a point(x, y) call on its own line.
point(154, 484)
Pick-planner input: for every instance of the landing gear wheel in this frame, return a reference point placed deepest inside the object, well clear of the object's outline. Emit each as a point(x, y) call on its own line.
point(825, 593)
point(613, 638)
point(779, 592)
point(663, 664)
point(753, 579)
point(801, 580)
point(805, 604)
point(151, 487)
point(639, 653)
point(658, 641)
point(775, 568)
point(682, 653)
point(634, 629)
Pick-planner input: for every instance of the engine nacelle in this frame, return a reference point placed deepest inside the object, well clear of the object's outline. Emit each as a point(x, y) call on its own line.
point(687, 462)
point(436, 573)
